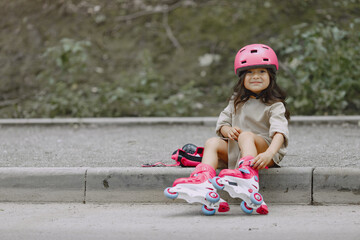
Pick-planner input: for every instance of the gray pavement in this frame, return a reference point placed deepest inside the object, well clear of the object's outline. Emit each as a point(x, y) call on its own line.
point(72, 145)
point(98, 160)
point(153, 221)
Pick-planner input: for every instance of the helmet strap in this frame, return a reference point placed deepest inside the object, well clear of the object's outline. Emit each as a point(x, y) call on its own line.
point(249, 93)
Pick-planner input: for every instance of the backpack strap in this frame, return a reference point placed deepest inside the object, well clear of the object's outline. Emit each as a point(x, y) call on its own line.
point(188, 156)
point(160, 164)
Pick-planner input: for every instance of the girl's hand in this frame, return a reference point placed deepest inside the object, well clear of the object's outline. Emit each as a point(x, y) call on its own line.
point(233, 133)
point(262, 160)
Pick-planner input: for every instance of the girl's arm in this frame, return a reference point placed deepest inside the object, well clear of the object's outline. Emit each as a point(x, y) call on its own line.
point(264, 159)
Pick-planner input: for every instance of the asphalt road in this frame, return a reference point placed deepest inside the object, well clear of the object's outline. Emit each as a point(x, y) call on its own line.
point(175, 221)
point(131, 146)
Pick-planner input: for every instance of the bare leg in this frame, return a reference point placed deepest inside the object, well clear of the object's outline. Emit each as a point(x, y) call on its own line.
point(215, 149)
point(251, 145)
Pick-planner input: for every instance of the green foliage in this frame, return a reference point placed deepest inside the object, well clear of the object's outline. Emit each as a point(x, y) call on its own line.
point(63, 92)
point(66, 93)
point(322, 69)
point(72, 58)
point(148, 93)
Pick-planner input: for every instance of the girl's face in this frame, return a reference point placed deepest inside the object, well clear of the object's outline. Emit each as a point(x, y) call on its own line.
point(257, 80)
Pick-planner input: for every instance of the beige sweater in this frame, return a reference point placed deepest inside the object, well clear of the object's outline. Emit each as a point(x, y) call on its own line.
point(257, 117)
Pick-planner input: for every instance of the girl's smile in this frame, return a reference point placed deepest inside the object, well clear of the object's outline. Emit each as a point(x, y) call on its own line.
point(257, 80)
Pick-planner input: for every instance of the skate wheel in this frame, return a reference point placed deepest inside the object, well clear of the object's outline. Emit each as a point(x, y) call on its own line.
point(169, 194)
point(207, 211)
point(212, 197)
point(216, 184)
point(256, 198)
point(246, 208)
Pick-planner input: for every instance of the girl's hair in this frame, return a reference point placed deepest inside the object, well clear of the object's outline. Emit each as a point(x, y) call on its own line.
point(272, 94)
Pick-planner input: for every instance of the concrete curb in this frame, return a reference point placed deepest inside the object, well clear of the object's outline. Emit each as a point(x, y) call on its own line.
point(128, 121)
point(42, 184)
point(288, 185)
point(336, 185)
point(294, 185)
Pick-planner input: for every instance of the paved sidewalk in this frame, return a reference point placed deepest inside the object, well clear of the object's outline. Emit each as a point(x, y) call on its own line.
point(169, 221)
point(131, 145)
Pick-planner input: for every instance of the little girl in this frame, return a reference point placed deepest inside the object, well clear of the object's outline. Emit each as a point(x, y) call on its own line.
point(253, 128)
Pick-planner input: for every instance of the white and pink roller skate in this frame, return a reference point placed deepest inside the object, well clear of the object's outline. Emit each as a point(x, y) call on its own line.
point(198, 189)
point(243, 183)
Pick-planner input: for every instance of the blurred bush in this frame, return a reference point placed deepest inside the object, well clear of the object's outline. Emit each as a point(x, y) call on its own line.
point(92, 58)
point(322, 70)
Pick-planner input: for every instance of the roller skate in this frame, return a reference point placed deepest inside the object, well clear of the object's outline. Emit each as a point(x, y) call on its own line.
point(243, 183)
point(198, 189)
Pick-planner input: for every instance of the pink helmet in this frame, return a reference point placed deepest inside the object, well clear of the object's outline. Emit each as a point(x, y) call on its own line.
point(255, 56)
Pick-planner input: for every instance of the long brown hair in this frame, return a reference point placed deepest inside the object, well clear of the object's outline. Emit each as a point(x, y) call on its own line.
point(272, 94)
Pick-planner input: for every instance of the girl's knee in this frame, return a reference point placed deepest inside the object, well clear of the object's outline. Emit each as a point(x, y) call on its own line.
point(246, 136)
point(213, 142)
point(218, 146)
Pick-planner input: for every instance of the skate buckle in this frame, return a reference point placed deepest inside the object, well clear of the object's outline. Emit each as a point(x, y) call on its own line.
point(233, 183)
point(244, 171)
